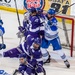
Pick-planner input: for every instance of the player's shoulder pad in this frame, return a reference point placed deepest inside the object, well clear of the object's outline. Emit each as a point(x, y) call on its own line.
point(35, 18)
point(54, 20)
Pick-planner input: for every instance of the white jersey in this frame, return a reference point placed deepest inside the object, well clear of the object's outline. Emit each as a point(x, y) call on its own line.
point(49, 33)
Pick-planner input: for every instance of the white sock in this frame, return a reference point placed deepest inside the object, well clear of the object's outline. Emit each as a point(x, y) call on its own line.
point(45, 54)
point(62, 55)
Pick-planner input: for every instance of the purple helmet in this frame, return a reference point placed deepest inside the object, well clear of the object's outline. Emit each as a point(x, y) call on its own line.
point(22, 55)
point(37, 41)
point(32, 10)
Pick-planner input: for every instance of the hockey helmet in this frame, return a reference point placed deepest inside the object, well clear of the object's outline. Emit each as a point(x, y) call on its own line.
point(22, 55)
point(32, 10)
point(51, 11)
point(37, 41)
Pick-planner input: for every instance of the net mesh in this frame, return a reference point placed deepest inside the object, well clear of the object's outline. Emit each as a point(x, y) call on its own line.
point(66, 30)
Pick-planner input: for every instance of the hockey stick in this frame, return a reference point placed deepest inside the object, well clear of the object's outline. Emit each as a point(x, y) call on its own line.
point(18, 17)
point(2, 40)
point(17, 13)
point(3, 46)
point(62, 9)
point(15, 72)
point(60, 12)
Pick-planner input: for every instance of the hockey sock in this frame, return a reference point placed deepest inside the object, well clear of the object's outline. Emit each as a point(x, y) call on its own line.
point(45, 54)
point(62, 55)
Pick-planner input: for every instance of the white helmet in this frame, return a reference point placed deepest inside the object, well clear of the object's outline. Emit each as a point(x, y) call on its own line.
point(26, 16)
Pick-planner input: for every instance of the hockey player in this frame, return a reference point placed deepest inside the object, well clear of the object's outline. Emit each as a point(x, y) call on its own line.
point(22, 48)
point(2, 31)
point(35, 51)
point(14, 52)
point(28, 67)
point(34, 29)
point(51, 37)
point(32, 24)
point(24, 29)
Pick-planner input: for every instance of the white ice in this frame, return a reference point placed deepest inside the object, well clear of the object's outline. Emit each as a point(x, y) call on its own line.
point(10, 64)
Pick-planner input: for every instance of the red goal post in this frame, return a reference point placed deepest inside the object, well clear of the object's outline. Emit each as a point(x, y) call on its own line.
point(72, 32)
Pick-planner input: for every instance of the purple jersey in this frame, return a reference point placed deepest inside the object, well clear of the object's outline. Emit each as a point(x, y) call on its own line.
point(34, 26)
point(28, 68)
point(36, 53)
point(32, 67)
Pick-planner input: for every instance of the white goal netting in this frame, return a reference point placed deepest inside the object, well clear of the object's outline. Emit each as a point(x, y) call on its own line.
point(66, 25)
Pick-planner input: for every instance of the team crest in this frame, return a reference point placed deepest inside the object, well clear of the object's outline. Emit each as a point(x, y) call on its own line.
point(38, 4)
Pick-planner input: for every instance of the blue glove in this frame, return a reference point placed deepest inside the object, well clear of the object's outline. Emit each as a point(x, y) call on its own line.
point(53, 27)
point(49, 23)
point(2, 46)
point(2, 31)
point(1, 22)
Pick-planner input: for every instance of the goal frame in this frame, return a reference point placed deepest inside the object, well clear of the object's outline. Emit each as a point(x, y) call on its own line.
point(72, 33)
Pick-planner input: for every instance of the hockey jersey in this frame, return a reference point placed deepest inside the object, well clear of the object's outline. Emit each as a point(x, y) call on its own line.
point(36, 54)
point(35, 24)
point(51, 29)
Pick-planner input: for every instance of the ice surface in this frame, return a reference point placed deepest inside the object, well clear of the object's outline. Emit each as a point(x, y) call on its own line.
point(56, 67)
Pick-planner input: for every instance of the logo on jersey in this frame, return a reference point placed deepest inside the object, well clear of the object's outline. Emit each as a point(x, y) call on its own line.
point(38, 4)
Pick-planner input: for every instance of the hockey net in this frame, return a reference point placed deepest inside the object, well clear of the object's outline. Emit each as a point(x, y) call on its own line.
point(66, 28)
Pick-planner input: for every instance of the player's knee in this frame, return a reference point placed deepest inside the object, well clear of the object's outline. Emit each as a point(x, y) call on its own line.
point(60, 52)
point(43, 50)
point(57, 48)
point(44, 53)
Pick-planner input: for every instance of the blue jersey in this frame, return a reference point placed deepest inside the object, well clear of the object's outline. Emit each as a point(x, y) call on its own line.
point(51, 29)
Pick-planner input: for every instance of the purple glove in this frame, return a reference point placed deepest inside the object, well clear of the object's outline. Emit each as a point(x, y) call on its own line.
point(20, 28)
